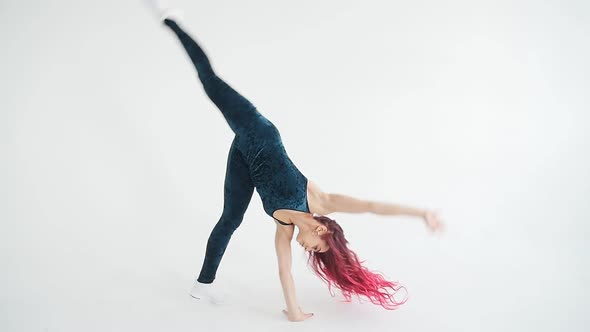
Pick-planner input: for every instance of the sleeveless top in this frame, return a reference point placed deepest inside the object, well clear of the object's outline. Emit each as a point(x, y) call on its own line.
point(277, 180)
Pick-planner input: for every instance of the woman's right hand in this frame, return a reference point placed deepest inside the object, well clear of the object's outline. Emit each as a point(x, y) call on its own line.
point(298, 315)
point(433, 221)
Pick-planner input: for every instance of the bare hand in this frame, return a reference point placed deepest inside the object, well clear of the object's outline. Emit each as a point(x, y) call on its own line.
point(433, 221)
point(297, 316)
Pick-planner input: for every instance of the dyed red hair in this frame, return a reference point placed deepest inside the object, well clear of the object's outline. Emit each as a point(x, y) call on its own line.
point(340, 267)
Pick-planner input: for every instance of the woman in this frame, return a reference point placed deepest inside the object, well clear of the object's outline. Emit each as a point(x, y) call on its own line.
point(258, 160)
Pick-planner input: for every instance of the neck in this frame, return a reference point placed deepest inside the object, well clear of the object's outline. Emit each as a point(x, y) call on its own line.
point(304, 221)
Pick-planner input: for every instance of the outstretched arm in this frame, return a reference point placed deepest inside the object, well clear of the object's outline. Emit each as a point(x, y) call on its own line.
point(333, 202)
point(384, 208)
point(283, 237)
point(342, 203)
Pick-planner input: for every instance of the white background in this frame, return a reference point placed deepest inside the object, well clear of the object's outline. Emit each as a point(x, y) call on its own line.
point(113, 160)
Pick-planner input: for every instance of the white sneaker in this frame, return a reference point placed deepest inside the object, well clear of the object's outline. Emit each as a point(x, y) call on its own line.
point(207, 292)
point(161, 10)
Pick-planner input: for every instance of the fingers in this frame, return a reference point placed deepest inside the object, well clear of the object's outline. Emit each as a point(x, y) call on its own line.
point(440, 228)
point(303, 317)
point(433, 222)
point(298, 318)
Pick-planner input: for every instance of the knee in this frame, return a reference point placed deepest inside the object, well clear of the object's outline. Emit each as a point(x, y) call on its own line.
point(206, 77)
point(229, 222)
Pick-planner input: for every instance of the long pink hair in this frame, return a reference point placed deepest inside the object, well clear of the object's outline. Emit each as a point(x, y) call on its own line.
point(340, 267)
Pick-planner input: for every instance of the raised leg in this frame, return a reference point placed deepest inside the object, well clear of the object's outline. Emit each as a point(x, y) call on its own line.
point(237, 110)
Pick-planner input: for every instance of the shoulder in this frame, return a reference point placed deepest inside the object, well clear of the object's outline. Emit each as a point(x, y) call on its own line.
point(313, 187)
point(317, 198)
point(284, 232)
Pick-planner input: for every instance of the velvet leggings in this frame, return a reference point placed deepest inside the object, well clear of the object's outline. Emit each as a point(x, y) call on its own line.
point(238, 185)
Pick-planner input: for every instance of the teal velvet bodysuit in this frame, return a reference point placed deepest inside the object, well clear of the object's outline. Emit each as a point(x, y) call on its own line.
point(277, 180)
point(257, 159)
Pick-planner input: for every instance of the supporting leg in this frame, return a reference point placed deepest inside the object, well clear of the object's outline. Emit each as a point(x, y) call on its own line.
point(238, 190)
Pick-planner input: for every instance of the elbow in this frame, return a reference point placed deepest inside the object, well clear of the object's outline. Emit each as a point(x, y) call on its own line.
point(370, 207)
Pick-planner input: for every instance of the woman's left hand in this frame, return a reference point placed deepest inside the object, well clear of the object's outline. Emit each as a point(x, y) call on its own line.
point(433, 221)
point(298, 316)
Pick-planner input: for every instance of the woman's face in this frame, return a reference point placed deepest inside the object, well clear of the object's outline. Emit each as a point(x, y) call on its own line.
point(311, 240)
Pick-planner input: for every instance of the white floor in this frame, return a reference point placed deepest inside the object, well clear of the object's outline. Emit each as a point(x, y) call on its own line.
point(112, 163)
